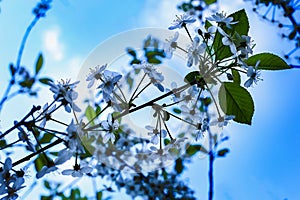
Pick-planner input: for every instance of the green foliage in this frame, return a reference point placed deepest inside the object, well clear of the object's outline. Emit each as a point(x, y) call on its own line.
point(176, 110)
point(268, 61)
point(40, 161)
point(46, 138)
point(193, 149)
point(241, 28)
point(209, 2)
point(223, 152)
point(47, 185)
point(236, 100)
point(207, 24)
point(90, 114)
point(27, 83)
point(236, 76)
point(167, 141)
point(88, 147)
point(45, 80)
point(166, 116)
point(179, 166)
point(39, 64)
point(99, 195)
point(129, 81)
point(2, 143)
point(152, 51)
point(192, 77)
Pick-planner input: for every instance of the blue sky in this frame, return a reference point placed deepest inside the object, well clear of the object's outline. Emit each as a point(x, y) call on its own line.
point(264, 158)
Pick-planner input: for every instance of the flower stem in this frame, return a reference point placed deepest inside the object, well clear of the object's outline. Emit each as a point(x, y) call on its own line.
point(186, 29)
point(26, 158)
point(138, 86)
point(33, 110)
point(211, 168)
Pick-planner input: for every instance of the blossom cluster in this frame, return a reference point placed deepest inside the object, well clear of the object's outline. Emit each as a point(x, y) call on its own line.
point(100, 136)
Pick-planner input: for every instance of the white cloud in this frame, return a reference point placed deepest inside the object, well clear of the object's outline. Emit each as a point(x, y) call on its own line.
point(159, 13)
point(52, 44)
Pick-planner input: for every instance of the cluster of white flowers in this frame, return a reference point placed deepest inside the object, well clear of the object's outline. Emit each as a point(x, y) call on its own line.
point(10, 183)
point(240, 45)
point(108, 78)
point(155, 77)
point(64, 93)
point(111, 140)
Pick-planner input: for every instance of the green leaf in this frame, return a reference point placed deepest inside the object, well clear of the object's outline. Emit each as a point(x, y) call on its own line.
point(268, 61)
point(46, 198)
point(129, 81)
point(166, 116)
point(241, 28)
point(99, 195)
point(27, 83)
point(98, 109)
point(209, 2)
point(39, 162)
point(46, 138)
point(45, 80)
point(176, 110)
point(236, 100)
point(2, 143)
point(87, 142)
point(223, 152)
point(166, 141)
point(47, 185)
point(90, 114)
point(75, 194)
point(179, 166)
point(192, 77)
point(236, 76)
point(131, 52)
point(193, 149)
point(207, 24)
point(39, 63)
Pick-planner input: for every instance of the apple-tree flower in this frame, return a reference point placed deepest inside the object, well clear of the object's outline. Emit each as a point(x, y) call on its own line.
point(155, 134)
point(46, 114)
point(181, 21)
point(254, 75)
point(109, 80)
point(109, 126)
point(170, 45)
point(155, 77)
point(77, 171)
point(64, 92)
point(95, 74)
point(194, 52)
point(220, 18)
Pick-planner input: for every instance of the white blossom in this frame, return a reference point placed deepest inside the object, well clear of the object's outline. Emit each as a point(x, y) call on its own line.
point(77, 171)
point(170, 45)
point(181, 21)
point(46, 114)
point(64, 92)
point(45, 170)
point(95, 74)
point(194, 52)
point(222, 19)
point(109, 80)
point(155, 77)
point(109, 126)
point(254, 75)
point(155, 134)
